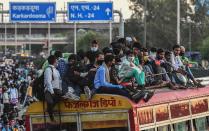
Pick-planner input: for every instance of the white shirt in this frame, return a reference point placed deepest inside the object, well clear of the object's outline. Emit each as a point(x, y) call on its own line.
point(176, 61)
point(13, 94)
point(49, 83)
point(5, 97)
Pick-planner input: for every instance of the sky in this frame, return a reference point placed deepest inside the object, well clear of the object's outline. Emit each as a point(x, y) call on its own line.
point(122, 5)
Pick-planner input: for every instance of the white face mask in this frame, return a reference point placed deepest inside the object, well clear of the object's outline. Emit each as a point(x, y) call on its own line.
point(130, 59)
point(94, 49)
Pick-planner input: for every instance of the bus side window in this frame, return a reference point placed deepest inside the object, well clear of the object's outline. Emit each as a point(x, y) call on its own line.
point(163, 128)
point(201, 124)
point(117, 121)
point(181, 126)
point(68, 122)
point(207, 118)
point(149, 130)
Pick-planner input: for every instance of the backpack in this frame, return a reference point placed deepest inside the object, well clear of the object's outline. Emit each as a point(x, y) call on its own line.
point(39, 87)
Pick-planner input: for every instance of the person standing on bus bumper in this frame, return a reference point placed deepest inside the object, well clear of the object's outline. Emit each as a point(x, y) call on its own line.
point(102, 80)
point(52, 82)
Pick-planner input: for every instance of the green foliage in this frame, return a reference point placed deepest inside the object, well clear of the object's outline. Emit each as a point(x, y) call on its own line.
point(58, 47)
point(204, 48)
point(39, 62)
point(36, 49)
point(162, 23)
point(85, 38)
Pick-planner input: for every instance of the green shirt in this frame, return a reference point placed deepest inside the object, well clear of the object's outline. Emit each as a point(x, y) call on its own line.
point(136, 61)
point(184, 59)
point(45, 65)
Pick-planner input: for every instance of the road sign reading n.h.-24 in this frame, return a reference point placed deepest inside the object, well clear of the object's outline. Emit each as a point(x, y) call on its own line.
point(90, 11)
point(32, 11)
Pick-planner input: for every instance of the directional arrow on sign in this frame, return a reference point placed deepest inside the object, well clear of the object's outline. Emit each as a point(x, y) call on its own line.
point(108, 11)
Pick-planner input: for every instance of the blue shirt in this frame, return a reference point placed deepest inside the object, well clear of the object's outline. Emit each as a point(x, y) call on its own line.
point(6, 129)
point(61, 67)
point(100, 80)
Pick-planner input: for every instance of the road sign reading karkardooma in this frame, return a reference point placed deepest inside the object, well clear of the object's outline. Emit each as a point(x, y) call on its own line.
point(32, 11)
point(90, 11)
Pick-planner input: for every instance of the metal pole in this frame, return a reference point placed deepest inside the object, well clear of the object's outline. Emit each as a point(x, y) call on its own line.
point(2, 14)
point(15, 38)
point(190, 37)
point(64, 13)
point(30, 39)
point(75, 38)
point(5, 39)
point(178, 22)
point(49, 43)
point(110, 32)
point(121, 29)
point(145, 23)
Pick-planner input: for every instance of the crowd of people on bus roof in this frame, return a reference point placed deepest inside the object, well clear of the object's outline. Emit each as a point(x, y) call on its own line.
point(124, 68)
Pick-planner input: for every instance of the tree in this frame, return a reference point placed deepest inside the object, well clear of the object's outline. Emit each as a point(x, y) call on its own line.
point(200, 26)
point(204, 48)
point(85, 39)
point(161, 21)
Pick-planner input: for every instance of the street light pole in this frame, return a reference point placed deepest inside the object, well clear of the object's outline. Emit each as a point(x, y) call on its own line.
point(15, 37)
point(2, 14)
point(30, 39)
point(178, 23)
point(49, 39)
point(145, 23)
point(5, 39)
point(190, 36)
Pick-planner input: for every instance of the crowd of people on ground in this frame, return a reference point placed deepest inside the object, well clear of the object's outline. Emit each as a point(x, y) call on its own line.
point(124, 68)
point(14, 81)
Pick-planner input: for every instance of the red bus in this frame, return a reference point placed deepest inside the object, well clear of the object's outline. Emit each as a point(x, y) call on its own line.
point(167, 110)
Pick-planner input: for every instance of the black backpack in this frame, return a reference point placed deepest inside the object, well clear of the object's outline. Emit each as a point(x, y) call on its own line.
point(39, 87)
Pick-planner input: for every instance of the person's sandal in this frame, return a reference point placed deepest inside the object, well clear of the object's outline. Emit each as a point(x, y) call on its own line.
point(199, 85)
point(148, 95)
point(138, 96)
point(172, 87)
point(87, 92)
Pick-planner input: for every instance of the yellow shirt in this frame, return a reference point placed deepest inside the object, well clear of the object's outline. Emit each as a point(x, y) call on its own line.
point(29, 91)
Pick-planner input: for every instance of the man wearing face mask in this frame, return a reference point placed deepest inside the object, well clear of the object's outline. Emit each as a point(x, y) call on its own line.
point(184, 59)
point(159, 66)
point(102, 79)
point(114, 72)
point(94, 50)
point(73, 77)
point(99, 58)
point(61, 63)
point(93, 68)
point(129, 70)
point(179, 67)
point(52, 82)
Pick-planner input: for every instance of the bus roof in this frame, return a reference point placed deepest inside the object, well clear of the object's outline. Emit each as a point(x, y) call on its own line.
point(115, 102)
point(167, 96)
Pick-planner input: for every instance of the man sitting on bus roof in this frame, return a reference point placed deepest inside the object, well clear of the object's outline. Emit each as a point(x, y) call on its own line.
point(61, 63)
point(91, 54)
point(179, 66)
point(159, 67)
point(102, 79)
point(129, 70)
